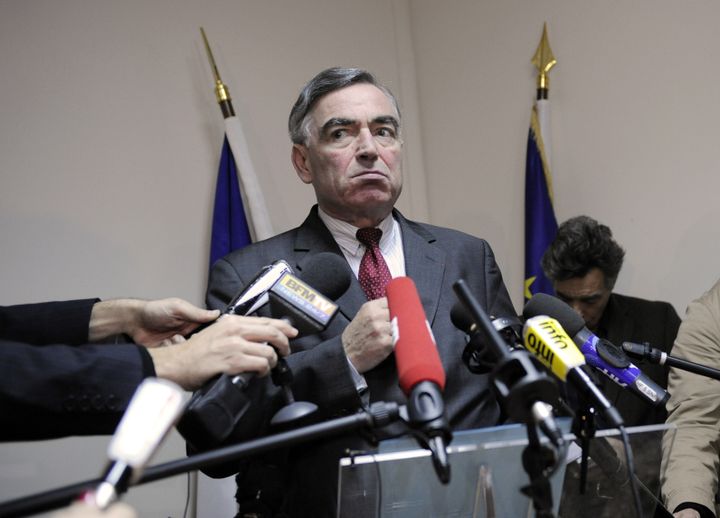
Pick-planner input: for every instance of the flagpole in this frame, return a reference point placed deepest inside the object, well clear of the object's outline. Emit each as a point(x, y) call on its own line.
point(221, 90)
point(258, 218)
point(544, 60)
point(540, 222)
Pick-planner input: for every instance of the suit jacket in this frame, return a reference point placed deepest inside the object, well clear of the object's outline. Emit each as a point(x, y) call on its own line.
point(49, 391)
point(630, 319)
point(627, 319)
point(435, 258)
point(691, 456)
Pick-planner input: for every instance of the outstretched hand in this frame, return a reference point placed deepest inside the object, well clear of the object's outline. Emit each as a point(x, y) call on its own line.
point(148, 323)
point(160, 320)
point(232, 345)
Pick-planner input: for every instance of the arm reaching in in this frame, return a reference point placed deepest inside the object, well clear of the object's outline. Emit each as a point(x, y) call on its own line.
point(149, 323)
point(232, 345)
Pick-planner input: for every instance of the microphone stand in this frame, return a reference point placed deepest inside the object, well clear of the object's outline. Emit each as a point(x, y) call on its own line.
point(583, 426)
point(645, 352)
point(380, 414)
point(521, 388)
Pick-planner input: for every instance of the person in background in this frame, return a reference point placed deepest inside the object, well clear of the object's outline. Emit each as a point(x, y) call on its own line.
point(691, 454)
point(583, 263)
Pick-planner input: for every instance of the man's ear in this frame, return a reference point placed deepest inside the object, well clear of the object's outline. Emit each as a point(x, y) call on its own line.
point(301, 162)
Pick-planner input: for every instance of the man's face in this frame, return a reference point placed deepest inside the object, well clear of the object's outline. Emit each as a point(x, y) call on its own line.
point(587, 295)
point(353, 154)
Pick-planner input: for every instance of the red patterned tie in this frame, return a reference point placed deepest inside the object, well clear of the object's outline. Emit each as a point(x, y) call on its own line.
point(374, 274)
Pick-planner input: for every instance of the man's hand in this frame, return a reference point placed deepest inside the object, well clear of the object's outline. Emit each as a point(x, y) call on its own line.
point(149, 323)
point(367, 340)
point(687, 513)
point(232, 345)
point(161, 319)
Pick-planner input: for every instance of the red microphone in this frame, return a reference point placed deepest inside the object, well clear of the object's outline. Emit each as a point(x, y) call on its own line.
point(420, 372)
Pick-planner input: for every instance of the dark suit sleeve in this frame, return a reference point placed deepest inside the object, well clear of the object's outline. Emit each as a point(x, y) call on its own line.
point(59, 390)
point(47, 322)
point(224, 283)
point(497, 297)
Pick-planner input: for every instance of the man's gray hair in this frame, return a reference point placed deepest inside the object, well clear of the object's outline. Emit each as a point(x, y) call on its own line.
point(322, 84)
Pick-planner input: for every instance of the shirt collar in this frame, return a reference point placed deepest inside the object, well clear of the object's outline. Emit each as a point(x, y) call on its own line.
point(344, 232)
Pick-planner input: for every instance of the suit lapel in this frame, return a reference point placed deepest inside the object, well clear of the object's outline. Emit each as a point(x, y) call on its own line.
point(424, 264)
point(313, 237)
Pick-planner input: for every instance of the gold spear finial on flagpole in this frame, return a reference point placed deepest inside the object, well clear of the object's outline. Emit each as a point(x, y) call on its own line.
point(221, 91)
point(543, 61)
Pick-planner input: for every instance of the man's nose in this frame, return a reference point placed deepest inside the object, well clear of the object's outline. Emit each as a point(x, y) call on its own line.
point(366, 145)
point(579, 309)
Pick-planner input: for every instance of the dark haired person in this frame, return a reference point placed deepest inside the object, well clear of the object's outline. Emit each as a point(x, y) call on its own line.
point(583, 262)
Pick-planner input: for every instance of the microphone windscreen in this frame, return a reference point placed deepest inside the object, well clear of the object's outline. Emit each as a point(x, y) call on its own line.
point(416, 354)
point(543, 304)
point(328, 273)
point(461, 318)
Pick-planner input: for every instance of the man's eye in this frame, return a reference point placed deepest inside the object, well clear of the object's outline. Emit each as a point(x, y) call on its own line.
point(339, 134)
point(386, 132)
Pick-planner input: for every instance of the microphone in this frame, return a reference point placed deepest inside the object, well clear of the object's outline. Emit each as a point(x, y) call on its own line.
point(599, 353)
point(254, 295)
point(476, 355)
point(549, 343)
point(420, 372)
point(215, 409)
point(309, 312)
point(153, 409)
point(653, 355)
point(523, 391)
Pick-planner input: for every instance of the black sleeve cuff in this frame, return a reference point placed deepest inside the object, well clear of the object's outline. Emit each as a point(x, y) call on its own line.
point(47, 322)
point(148, 367)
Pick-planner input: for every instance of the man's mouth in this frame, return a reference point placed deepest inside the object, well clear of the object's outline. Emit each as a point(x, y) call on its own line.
point(370, 175)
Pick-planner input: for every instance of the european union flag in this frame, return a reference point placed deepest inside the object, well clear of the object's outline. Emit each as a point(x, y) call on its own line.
point(230, 229)
point(540, 223)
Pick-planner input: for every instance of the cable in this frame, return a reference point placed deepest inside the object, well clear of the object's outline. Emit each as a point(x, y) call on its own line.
point(631, 471)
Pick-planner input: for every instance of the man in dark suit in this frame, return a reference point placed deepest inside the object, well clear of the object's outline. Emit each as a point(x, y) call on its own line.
point(583, 262)
point(347, 143)
point(61, 374)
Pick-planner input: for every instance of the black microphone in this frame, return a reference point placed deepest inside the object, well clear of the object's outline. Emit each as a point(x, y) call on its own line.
point(523, 390)
point(653, 355)
point(306, 309)
point(599, 353)
point(215, 409)
point(296, 302)
point(477, 356)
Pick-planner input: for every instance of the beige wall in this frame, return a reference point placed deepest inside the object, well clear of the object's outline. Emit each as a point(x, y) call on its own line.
point(634, 121)
point(109, 140)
